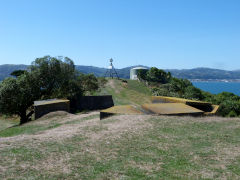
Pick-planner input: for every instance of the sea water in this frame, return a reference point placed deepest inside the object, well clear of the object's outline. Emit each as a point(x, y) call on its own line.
point(218, 87)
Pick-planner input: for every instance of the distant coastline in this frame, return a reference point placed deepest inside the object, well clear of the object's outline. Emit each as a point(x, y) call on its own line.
point(214, 80)
point(194, 75)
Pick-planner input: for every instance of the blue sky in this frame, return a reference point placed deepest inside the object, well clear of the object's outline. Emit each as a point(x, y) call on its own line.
point(166, 34)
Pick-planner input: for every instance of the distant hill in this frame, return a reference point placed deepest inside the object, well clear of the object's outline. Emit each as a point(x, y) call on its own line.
point(192, 74)
point(205, 74)
point(7, 69)
point(123, 73)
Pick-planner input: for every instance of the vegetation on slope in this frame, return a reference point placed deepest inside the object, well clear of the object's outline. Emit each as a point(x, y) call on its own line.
point(126, 92)
point(122, 147)
point(6, 121)
point(163, 84)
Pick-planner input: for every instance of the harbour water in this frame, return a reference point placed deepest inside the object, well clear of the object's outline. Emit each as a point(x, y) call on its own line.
point(218, 87)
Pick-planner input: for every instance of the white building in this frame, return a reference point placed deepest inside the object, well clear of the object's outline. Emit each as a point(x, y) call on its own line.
point(134, 72)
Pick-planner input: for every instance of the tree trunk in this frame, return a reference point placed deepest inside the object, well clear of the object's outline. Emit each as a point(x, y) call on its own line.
point(23, 118)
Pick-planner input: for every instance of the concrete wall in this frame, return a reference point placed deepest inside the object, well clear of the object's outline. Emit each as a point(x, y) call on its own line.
point(92, 103)
point(43, 109)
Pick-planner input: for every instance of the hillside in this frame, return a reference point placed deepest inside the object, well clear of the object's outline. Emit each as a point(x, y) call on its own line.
point(67, 146)
point(132, 92)
point(80, 146)
point(205, 74)
point(192, 74)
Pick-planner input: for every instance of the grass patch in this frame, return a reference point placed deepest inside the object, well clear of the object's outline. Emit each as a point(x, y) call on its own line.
point(78, 121)
point(33, 128)
point(6, 122)
point(27, 129)
point(171, 148)
point(133, 92)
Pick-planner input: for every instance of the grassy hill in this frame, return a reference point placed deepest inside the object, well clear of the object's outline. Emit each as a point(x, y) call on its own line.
point(6, 122)
point(66, 146)
point(132, 92)
point(80, 146)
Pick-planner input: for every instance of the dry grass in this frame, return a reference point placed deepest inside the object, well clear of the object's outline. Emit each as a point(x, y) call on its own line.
point(123, 147)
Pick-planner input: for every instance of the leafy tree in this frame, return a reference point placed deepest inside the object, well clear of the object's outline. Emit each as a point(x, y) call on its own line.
point(142, 74)
point(56, 76)
point(158, 75)
point(179, 86)
point(17, 96)
point(48, 77)
point(229, 108)
point(154, 75)
point(17, 73)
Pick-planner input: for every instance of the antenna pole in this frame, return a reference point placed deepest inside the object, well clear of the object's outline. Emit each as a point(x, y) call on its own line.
point(111, 70)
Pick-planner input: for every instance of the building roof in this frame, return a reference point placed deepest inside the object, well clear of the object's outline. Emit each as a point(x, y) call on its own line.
point(139, 68)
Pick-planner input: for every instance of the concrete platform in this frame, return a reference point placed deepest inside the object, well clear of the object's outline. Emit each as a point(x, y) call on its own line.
point(162, 105)
point(171, 109)
point(124, 109)
point(204, 106)
point(214, 110)
point(50, 105)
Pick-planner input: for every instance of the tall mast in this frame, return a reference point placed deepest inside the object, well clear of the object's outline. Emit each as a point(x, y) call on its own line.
point(111, 71)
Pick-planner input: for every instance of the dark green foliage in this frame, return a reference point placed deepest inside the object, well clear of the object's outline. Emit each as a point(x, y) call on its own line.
point(17, 95)
point(57, 76)
point(17, 73)
point(142, 74)
point(192, 92)
point(179, 86)
point(229, 104)
point(182, 88)
point(88, 82)
point(158, 75)
point(154, 75)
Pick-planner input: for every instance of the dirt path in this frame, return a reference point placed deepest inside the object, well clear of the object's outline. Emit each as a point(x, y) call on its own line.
point(70, 127)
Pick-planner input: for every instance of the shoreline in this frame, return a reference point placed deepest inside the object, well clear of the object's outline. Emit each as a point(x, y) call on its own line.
point(216, 80)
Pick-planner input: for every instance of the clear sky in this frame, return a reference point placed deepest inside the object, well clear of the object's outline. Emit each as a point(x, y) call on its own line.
point(162, 33)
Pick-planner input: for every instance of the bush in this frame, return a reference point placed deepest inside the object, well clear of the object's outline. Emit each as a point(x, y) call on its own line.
point(232, 114)
point(192, 92)
point(154, 75)
point(17, 96)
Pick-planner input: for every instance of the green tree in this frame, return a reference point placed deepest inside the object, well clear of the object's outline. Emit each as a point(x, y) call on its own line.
point(142, 74)
point(17, 96)
point(57, 76)
point(158, 75)
point(192, 92)
point(48, 77)
point(179, 86)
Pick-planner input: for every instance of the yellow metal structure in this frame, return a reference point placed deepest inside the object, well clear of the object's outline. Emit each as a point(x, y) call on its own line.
point(124, 109)
point(171, 109)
